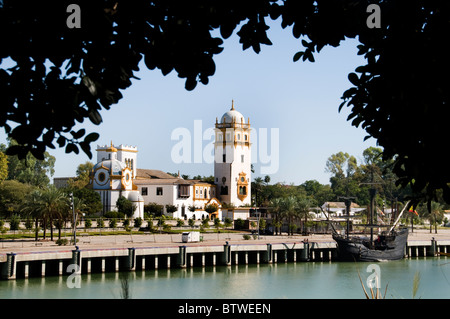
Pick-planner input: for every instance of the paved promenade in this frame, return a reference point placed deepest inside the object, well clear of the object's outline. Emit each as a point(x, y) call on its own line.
point(164, 240)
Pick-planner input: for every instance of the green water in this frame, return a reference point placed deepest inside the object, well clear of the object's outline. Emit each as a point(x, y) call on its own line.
point(287, 280)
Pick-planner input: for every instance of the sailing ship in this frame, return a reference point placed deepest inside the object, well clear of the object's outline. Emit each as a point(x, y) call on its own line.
point(389, 244)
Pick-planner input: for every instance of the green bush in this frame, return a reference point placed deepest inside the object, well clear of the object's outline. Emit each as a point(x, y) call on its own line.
point(88, 223)
point(138, 222)
point(62, 241)
point(113, 223)
point(239, 224)
point(14, 222)
point(246, 237)
point(180, 222)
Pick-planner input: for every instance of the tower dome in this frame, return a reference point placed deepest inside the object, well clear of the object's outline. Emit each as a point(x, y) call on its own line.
point(232, 116)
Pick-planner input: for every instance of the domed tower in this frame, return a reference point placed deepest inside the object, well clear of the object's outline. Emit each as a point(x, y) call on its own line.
point(112, 178)
point(232, 158)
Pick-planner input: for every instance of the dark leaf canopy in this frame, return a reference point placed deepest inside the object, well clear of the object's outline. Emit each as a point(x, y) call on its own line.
point(61, 76)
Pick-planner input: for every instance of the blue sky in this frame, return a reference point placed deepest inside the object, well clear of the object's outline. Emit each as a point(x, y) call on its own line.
point(300, 100)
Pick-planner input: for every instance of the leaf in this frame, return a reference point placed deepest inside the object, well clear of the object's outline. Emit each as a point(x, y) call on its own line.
point(353, 78)
point(191, 83)
point(310, 56)
point(91, 137)
point(95, 117)
point(61, 141)
point(78, 134)
point(71, 148)
point(298, 55)
point(86, 148)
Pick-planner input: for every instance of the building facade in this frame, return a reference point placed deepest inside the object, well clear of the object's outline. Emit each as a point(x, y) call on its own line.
point(116, 174)
point(112, 178)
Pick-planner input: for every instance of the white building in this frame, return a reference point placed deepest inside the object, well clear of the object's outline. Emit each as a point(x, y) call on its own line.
point(116, 174)
point(112, 178)
point(189, 196)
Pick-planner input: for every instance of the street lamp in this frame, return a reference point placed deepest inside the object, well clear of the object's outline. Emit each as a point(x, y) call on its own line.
point(74, 219)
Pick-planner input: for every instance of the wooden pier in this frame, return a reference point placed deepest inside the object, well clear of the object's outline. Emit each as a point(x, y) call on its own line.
point(53, 263)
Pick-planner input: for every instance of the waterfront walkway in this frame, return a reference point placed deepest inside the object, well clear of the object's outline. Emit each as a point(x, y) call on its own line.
point(172, 240)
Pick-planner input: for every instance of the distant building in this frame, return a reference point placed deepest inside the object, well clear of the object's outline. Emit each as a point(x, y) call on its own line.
point(189, 196)
point(112, 178)
point(61, 182)
point(338, 208)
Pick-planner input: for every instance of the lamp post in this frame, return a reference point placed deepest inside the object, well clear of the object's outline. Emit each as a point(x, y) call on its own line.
point(74, 219)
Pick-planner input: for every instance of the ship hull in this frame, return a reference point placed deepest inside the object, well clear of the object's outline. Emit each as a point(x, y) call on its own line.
point(390, 247)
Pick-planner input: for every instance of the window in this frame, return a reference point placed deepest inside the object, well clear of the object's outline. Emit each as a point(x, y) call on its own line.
point(242, 190)
point(242, 158)
point(183, 191)
point(239, 137)
point(101, 177)
point(224, 158)
point(245, 136)
point(219, 137)
point(224, 190)
point(159, 191)
point(144, 191)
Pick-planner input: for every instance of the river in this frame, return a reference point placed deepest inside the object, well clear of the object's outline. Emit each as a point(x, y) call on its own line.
point(324, 280)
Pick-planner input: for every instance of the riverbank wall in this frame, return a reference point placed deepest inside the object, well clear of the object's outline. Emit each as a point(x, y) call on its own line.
point(44, 263)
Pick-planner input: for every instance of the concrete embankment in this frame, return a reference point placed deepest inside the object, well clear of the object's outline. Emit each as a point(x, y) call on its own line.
point(140, 252)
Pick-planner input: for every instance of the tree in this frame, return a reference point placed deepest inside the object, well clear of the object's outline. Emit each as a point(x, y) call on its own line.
point(289, 211)
point(54, 207)
point(276, 208)
point(345, 173)
point(30, 169)
point(3, 167)
point(170, 209)
point(433, 212)
point(91, 199)
point(303, 207)
point(70, 75)
point(82, 179)
point(125, 206)
point(32, 206)
point(153, 209)
point(211, 208)
point(12, 196)
point(228, 222)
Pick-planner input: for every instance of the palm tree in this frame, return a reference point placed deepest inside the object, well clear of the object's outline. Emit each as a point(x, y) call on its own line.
point(434, 214)
point(54, 203)
point(275, 208)
point(289, 208)
point(32, 206)
point(303, 206)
